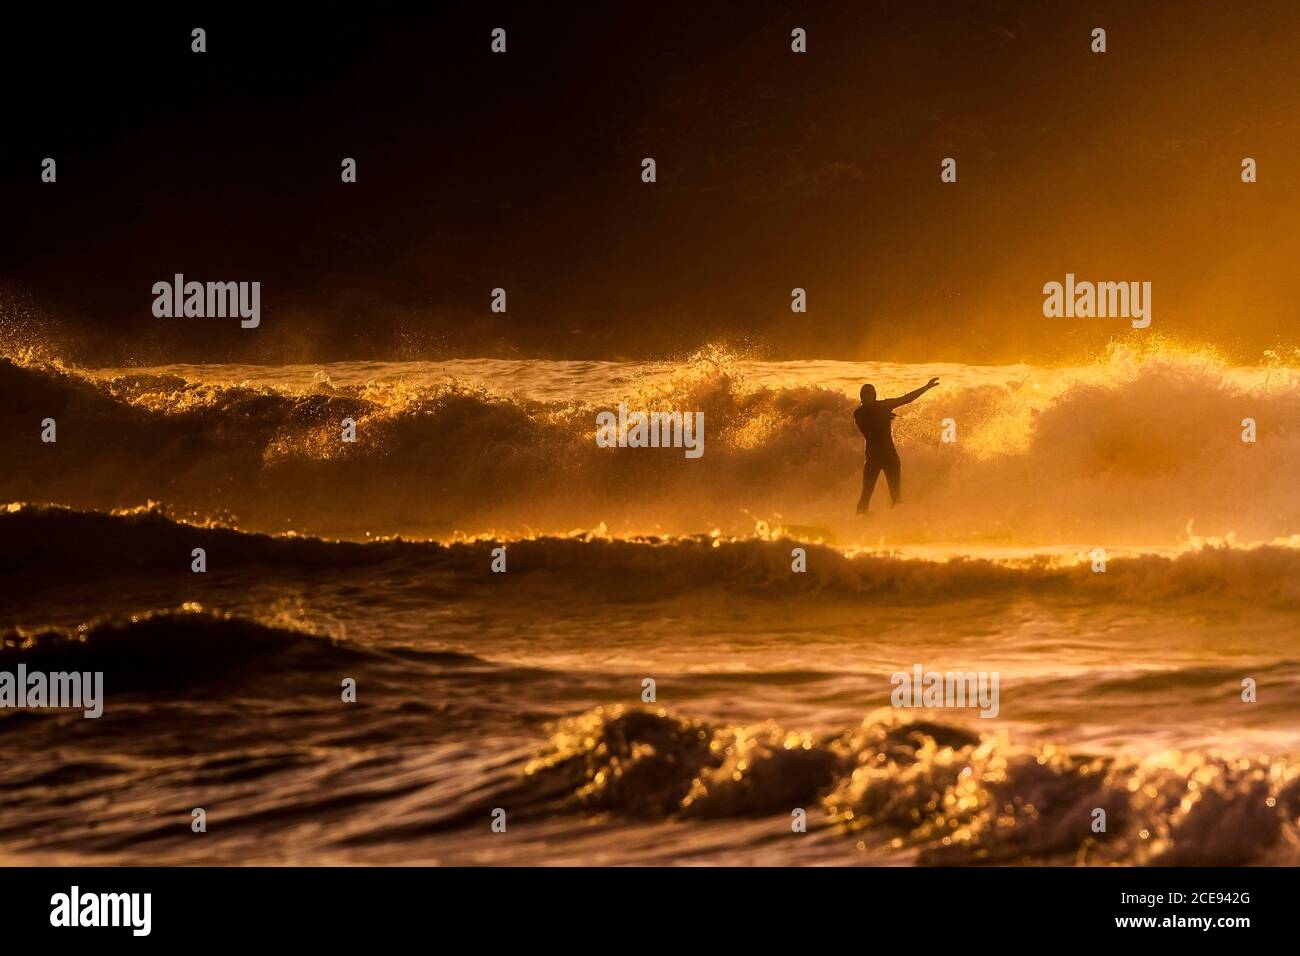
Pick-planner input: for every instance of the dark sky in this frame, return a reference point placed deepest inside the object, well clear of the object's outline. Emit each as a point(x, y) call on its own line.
point(775, 170)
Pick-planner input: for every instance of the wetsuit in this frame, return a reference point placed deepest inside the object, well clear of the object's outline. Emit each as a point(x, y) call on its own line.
point(874, 421)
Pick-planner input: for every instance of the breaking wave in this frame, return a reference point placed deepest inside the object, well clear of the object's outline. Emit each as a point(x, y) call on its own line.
point(1129, 451)
point(950, 795)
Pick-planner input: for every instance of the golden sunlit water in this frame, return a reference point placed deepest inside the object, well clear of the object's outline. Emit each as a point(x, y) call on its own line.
point(374, 559)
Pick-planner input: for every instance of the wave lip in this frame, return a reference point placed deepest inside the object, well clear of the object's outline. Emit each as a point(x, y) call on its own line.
point(183, 650)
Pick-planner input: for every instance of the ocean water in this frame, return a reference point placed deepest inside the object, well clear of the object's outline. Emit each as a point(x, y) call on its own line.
point(1119, 690)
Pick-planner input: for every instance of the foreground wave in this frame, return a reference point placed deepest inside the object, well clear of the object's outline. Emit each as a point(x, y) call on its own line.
point(955, 796)
point(899, 787)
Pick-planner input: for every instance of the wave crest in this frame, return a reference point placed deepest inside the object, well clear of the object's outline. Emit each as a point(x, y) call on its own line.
point(43, 545)
point(183, 650)
point(1126, 452)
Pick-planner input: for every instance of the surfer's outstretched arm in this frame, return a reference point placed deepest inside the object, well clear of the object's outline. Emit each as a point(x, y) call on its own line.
point(913, 395)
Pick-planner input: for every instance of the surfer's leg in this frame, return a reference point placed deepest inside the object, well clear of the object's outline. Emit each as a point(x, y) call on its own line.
point(870, 472)
point(894, 475)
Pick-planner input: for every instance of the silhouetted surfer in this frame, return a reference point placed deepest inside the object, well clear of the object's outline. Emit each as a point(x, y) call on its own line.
point(874, 421)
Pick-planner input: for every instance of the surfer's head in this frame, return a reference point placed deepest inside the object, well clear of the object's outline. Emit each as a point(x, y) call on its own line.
point(868, 393)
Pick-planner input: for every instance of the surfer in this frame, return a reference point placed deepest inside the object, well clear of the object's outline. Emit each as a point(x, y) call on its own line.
point(874, 421)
